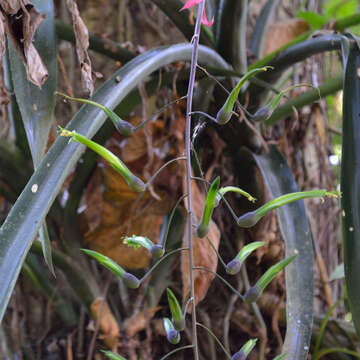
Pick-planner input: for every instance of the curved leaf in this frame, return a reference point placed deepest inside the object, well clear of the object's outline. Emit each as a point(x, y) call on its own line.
point(258, 36)
point(37, 105)
point(295, 231)
point(350, 182)
point(289, 57)
point(230, 32)
point(24, 219)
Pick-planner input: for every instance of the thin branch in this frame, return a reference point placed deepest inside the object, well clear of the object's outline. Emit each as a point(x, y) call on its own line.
point(194, 58)
point(216, 339)
point(221, 278)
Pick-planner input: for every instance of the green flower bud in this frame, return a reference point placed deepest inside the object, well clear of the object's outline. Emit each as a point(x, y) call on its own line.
point(221, 192)
point(106, 262)
point(203, 227)
point(224, 114)
point(176, 312)
point(233, 267)
point(123, 127)
point(133, 181)
point(255, 291)
point(251, 218)
point(134, 241)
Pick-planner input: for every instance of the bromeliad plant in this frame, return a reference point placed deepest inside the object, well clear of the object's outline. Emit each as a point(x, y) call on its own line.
point(19, 230)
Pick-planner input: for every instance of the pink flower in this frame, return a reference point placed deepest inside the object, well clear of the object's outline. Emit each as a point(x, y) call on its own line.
point(204, 20)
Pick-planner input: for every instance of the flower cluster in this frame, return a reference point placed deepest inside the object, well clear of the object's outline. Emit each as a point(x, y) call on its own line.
point(204, 20)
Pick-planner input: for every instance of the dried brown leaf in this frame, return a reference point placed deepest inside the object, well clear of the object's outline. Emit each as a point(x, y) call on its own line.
point(204, 255)
point(21, 20)
point(107, 322)
point(82, 45)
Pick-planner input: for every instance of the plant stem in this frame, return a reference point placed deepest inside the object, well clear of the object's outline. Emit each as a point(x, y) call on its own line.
point(194, 57)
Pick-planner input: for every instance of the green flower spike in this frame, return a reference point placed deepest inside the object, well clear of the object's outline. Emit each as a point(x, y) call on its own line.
point(123, 127)
point(157, 251)
point(243, 353)
point(222, 191)
point(177, 316)
point(265, 112)
point(129, 280)
point(234, 266)
point(253, 294)
point(251, 218)
point(224, 114)
point(172, 335)
point(111, 355)
point(203, 228)
point(133, 181)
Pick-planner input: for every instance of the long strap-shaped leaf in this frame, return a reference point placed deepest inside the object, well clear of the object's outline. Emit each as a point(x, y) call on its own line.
point(295, 231)
point(350, 181)
point(24, 219)
point(289, 57)
point(230, 32)
point(258, 36)
point(37, 105)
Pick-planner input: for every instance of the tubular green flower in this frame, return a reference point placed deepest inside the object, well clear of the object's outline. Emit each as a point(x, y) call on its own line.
point(265, 112)
point(123, 127)
point(133, 181)
point(157, 251)
point(255, 291)
point(106, 261)
point(130, 280)
point(234, 266)
point(224, 114)
point(251, 218)
point(222, 191)
point(177, 315)
point(203, 228)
